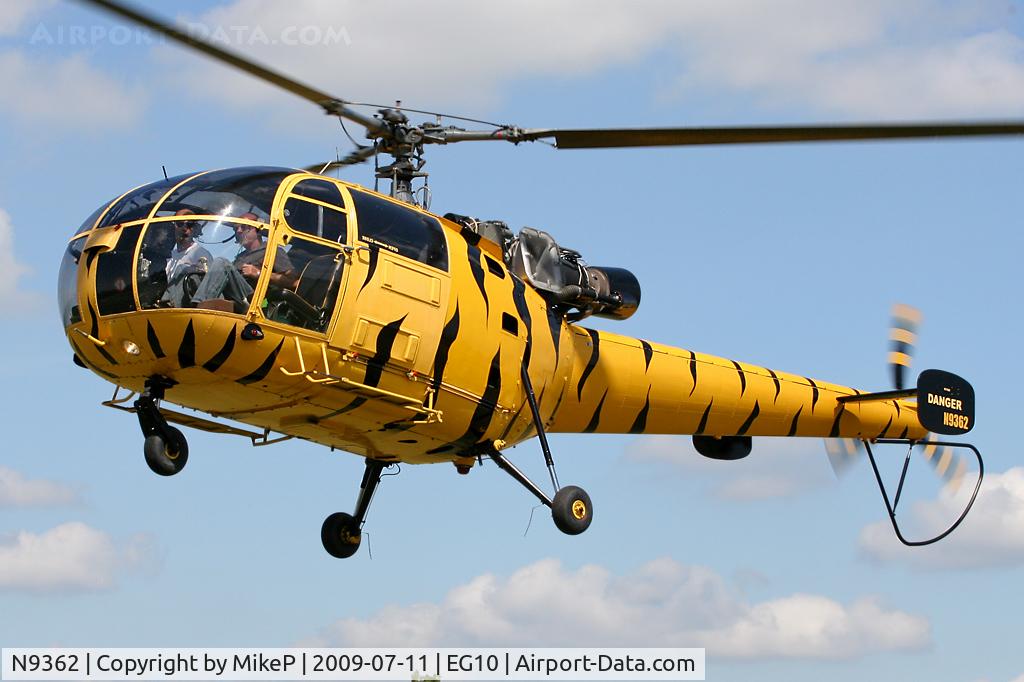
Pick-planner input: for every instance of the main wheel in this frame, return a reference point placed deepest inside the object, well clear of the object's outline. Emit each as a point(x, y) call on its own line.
point(340, 535)
point(166, 457)
point(571, 510)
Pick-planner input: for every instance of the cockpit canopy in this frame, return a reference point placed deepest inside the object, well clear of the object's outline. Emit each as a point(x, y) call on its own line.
point(217, 240)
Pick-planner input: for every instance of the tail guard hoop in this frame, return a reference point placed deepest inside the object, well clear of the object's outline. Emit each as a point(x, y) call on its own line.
point(891, 506)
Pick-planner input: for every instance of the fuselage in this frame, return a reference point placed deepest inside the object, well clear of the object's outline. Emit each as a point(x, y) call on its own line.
point(374, 327)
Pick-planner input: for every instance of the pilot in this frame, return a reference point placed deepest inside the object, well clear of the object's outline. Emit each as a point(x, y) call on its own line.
point(237, 280)
point(187, 257)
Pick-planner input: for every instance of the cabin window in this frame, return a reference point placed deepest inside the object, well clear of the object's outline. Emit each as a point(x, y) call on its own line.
point(401, 230)
point(114, 269)
point(316, 220)
point(137, 204)
point(320, 190)
point(310, 301)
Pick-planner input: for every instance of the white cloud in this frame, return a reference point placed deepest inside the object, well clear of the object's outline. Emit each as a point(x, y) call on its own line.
point(991, 535)
point(663, 603)
point(10, 269)
point(775, 468)
point(850, 58)
point(70, 557)
point(17, 491)
point(65, 93)
point(13, 13)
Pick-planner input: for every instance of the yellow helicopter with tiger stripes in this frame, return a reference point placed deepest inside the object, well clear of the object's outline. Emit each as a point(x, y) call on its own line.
point(282, 303)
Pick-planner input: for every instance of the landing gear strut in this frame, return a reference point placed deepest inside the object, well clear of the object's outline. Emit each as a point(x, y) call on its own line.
point(341, 533)
point(571, 508)
point(165, 447)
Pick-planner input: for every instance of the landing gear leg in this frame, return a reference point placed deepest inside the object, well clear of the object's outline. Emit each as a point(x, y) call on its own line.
point(571, 508)
point(341, 533)
point(165, 447)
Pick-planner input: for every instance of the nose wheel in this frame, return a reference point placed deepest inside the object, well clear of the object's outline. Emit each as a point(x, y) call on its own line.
point(341, 533)
point(167, 452)
point(165, 447)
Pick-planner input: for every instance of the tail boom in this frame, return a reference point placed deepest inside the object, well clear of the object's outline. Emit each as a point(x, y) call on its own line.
point(620, 384)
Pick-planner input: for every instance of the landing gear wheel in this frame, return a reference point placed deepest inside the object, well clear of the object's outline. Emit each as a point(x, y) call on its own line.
point(166, 457)
point(341, 535)
point(571, 510)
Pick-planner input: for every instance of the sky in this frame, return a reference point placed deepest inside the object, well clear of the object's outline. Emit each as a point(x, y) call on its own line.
point(785, 256)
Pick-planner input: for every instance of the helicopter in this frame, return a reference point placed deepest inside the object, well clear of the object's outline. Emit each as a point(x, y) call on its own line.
point(282, 303)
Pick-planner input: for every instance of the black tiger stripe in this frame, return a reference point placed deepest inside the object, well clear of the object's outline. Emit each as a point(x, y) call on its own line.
point(372, 267)
point(897, 404)
point(518, 296)
point(154, 340)
point(94, 321)
point(81, 356)
point(596, 418)
point(904, 433)
point(187, 349)
point(704, 419)
point(648, 354)
point(95, 334)
point(448, 336)
point(356, 403)
point(555, 325)
point(778, 385)
point(834, 433)
point(472, 238)
point(595, 340)
point(693, 371)
point(750, 420)
point(743, 377)
point(640, 423)
point(814, 393)
point(400, 425)
point(214, 363)
point(888, 424)
point(478, 275)
point(796, 418)
point(107, 356)
point(261, 372)
point(482, 415)
point(385, 344)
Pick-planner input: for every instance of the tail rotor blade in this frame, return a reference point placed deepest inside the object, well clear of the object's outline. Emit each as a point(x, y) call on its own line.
point(842, 453)
point(948, 465)
point(903, 336)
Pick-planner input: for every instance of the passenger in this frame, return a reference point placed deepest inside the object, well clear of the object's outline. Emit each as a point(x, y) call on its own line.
point(237, 280)
point(187, 258)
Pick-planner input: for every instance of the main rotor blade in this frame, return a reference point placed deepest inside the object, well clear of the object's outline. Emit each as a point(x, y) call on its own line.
point(332, 105)
point(355, 157)
point(664, 137)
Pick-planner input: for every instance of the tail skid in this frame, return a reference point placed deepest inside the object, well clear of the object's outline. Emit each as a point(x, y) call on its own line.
point(891, 506)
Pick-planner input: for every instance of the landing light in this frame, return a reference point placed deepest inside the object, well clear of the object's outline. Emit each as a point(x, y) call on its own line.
point(130, 347)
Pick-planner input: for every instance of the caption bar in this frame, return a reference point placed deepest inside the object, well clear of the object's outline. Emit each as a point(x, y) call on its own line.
point(353, 664)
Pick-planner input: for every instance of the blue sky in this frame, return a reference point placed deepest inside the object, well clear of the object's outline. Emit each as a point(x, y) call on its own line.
point(788, 257)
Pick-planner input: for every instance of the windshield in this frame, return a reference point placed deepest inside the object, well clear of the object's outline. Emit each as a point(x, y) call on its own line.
point(67, 289)
point(203, 244)
point(230, 193)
